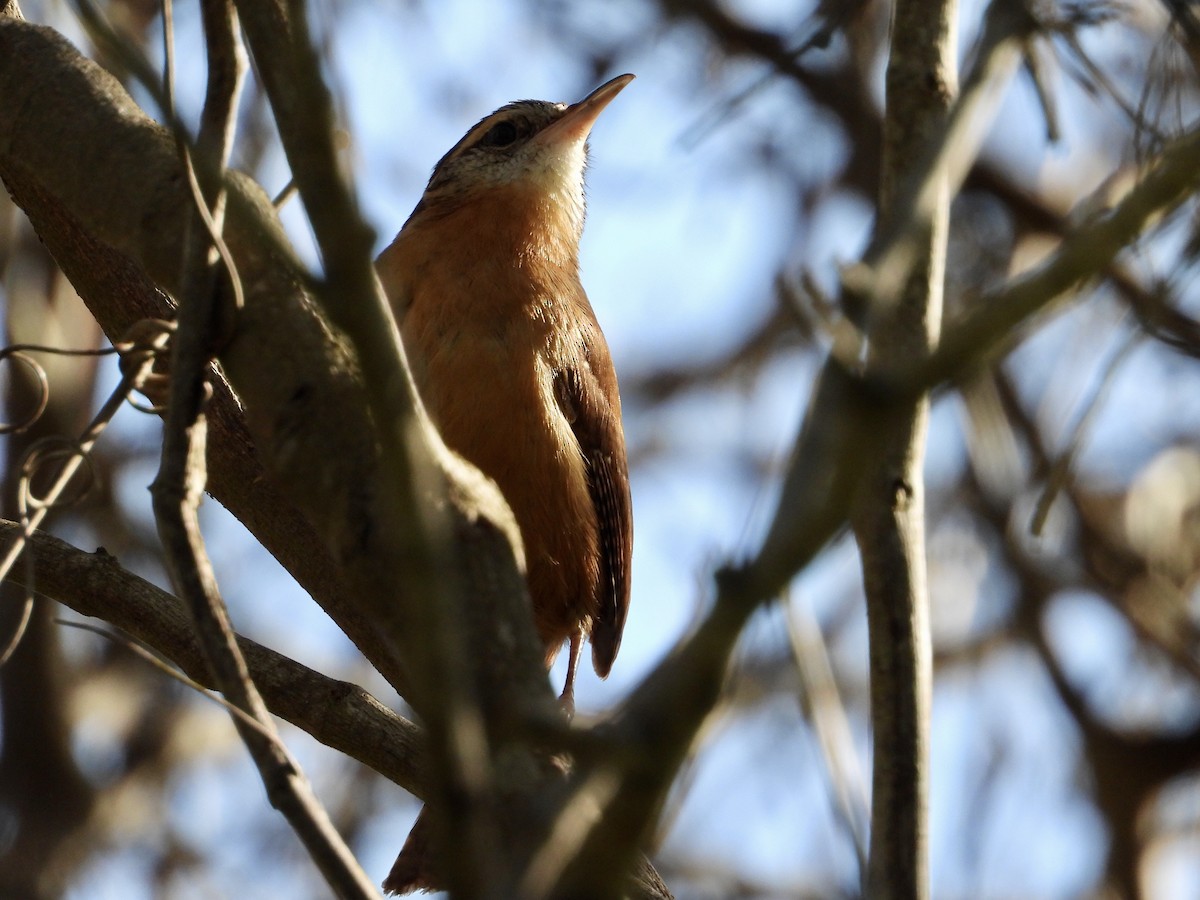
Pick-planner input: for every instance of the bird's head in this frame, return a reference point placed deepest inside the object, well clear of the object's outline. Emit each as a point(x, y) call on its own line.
point(530, 148)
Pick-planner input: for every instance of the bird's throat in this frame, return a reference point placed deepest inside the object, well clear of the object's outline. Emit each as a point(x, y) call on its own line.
point(503, 242)
point(512, 226)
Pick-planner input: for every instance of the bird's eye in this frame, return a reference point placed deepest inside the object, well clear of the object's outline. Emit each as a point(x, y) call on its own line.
point(500, 135)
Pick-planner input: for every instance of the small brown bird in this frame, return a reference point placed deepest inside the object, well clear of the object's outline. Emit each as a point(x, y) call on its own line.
point(511, 363)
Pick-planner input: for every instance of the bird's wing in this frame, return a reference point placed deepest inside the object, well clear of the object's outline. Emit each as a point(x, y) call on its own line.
point(583, 396)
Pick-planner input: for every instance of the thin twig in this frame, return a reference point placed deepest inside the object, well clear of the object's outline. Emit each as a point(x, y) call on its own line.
point(142, 358)
point(336, 713)
point(1060, 470)
point(18, 354)
point(177, 492)
point(76, 454)
point(829, 721)
point(226, 75)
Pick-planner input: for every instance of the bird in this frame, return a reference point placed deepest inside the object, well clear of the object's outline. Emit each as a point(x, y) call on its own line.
point(509, 359)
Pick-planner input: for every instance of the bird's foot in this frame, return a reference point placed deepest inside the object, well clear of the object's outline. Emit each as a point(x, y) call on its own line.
point(566, 700)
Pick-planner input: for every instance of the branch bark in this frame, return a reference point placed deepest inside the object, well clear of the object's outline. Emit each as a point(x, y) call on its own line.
point(889, 517)
point(338, 714)
point(178, 489)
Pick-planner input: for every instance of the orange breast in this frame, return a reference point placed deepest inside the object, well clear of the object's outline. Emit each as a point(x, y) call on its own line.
point(485, 330)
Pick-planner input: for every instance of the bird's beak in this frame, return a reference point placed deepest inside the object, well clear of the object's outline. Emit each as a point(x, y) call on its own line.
point(576, 123)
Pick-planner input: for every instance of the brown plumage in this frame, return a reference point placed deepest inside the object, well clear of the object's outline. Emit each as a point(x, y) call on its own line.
point(512, 364)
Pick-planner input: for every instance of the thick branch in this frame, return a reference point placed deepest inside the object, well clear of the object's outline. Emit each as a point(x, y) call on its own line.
point(106, 210)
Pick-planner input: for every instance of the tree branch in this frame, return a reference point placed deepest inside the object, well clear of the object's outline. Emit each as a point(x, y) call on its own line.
point(336, 713)
point(1086, 252)
point(105, 216)
point(889, 517)
point(178, 489)
point(410, 507)
point(448, 641)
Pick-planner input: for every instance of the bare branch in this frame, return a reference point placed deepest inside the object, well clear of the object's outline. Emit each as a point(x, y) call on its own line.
point(1086, 252)
point(226, 70)
point(180, 484)
point(926, 154)
point(415, 477)
point(336, 713)
point(943, 155)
